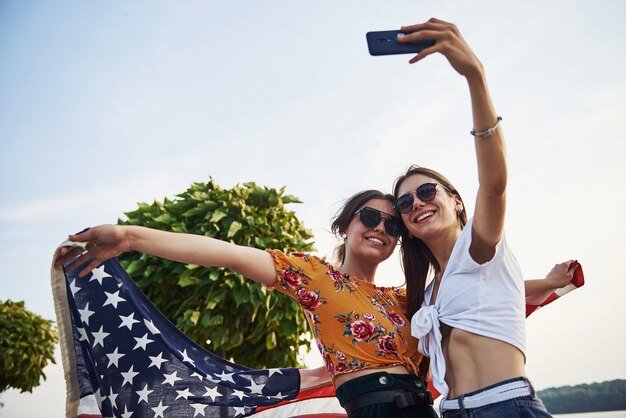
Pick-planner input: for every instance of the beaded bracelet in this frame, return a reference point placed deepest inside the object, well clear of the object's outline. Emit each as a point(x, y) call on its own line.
point(487, 132)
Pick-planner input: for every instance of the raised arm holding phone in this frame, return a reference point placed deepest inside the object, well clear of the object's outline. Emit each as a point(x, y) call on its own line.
point(470, 320)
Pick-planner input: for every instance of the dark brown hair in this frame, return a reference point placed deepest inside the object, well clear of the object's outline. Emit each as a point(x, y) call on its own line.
point(344, 216)
point(417, 259)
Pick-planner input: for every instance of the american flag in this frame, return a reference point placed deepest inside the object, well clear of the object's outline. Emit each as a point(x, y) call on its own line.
point(123, 358)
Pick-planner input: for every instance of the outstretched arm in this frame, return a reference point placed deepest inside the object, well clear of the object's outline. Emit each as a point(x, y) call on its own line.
point(107, 241)
point(489, 213)
point(560, 276)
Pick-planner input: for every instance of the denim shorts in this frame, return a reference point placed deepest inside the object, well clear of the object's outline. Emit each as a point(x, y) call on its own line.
point(522, 407)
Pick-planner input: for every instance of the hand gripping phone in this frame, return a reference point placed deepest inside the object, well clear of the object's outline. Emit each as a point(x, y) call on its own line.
point(386, 43)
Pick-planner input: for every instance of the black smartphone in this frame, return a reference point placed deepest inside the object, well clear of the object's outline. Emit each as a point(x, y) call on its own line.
point(386, 43)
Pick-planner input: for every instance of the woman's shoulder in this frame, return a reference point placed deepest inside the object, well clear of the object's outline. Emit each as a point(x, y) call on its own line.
point(397, 292)
point(298, 259)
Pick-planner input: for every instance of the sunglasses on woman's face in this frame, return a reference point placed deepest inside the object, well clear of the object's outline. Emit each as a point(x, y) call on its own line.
point(426, 192)
point(371, 218)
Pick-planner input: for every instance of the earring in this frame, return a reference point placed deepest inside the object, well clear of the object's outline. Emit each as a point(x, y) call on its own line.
point(343, 236)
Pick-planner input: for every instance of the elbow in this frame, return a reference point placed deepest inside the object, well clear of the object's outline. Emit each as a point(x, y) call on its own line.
point(499, 187)
point(499, 182)
point(496, 188)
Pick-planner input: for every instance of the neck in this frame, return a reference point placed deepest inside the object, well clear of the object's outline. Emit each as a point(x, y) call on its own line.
point(362, 269)
point(441, 247)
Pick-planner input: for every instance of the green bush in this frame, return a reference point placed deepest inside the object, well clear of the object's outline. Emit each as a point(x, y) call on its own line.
point(240, 319)
point(26, 346)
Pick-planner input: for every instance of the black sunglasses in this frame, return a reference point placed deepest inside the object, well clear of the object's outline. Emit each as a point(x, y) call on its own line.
point(426, 192)
point(371, 217)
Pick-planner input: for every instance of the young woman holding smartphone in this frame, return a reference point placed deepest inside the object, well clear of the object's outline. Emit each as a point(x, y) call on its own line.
point(470, 319)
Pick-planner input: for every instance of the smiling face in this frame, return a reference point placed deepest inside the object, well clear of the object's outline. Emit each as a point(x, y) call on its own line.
point(428, 220)
point(373, 243)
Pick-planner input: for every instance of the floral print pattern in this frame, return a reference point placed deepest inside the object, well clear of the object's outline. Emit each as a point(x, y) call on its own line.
point(356, 325)
point(342, 281)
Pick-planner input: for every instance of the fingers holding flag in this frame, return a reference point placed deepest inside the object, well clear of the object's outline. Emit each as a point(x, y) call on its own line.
point(562, 273)
point(562, 279)
point(100, 244)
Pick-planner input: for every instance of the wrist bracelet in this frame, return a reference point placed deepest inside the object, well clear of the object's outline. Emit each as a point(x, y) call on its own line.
point(487, 132)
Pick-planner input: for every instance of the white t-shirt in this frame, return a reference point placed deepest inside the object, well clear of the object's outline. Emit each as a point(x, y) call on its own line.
point(485, 299)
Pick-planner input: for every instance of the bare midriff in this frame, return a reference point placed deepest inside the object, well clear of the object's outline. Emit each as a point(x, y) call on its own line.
point(340, 379)
point(474, 361)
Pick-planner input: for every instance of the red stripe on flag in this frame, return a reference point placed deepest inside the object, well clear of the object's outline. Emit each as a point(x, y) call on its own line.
point(325, 391)
point(432, 390)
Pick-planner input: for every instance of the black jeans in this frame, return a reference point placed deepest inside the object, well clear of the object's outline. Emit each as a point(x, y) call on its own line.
point(379, 382)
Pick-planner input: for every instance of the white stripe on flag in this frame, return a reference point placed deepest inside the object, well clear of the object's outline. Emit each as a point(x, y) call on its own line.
point(306, 407)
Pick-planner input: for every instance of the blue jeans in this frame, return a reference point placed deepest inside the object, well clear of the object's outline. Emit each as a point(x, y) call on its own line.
point(522, 407)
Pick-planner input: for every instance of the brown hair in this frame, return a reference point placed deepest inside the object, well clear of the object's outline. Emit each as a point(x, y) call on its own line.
point(344, 216)
point(417, 259)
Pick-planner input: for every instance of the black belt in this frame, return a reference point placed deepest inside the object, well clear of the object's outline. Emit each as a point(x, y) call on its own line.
point(402, 399)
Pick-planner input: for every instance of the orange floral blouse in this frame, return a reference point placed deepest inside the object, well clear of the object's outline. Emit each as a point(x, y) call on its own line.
point(356, 324)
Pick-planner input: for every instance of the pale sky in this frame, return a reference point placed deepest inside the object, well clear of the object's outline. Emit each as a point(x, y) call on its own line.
point(106, 104)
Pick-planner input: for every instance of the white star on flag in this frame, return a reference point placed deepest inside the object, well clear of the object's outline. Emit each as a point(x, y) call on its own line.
point(99, 337)
point(83, 334)
point(129, 376)
point(279, 395)
point(212, 393)
point(159, 410)
point(151, 327)
point(113, 299)
point(127, 413)
point(85, 313)
point(114, 357)
point(128, 321)
point(198, 409)
point(238, 393)
point(142, 342)
point(156, 361)
point(171, 378)
point(73, 288)
point(183, 393)
point(143, 394)
point(239, 410)
point(255, 388)
point(186, 357)
point(98, 274)
point(225, 377)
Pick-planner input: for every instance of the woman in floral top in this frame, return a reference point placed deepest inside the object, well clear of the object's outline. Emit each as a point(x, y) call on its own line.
point(361, 330)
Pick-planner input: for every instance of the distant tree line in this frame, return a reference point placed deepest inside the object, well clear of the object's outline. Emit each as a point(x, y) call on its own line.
point(593, 397)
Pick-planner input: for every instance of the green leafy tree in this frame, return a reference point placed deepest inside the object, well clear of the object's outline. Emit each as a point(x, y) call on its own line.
point(231, 316)
point(26, 346)
point(604, 396)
